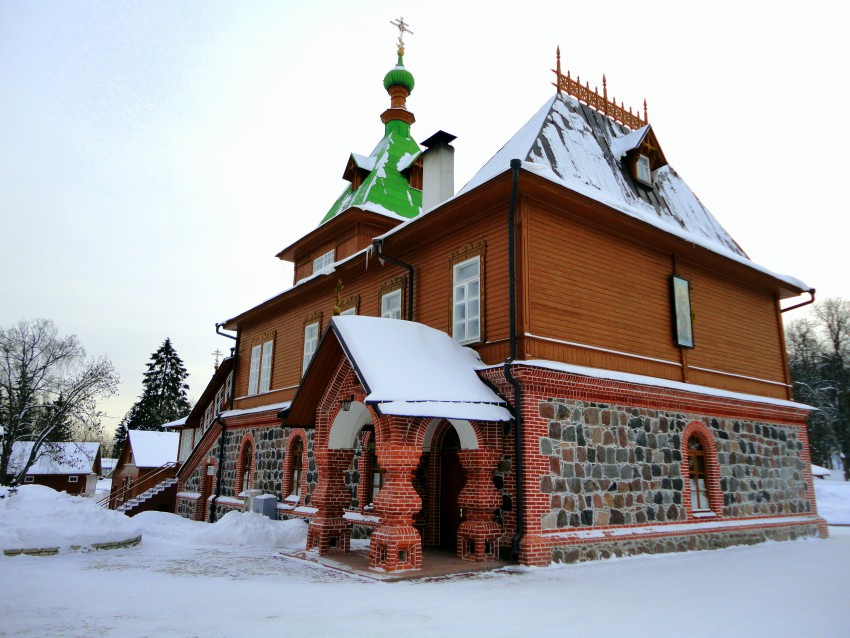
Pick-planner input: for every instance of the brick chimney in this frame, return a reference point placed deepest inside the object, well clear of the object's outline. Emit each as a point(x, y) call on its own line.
point(438, 170)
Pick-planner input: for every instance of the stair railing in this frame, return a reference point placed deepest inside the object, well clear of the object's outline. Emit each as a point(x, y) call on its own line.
point(140, 486)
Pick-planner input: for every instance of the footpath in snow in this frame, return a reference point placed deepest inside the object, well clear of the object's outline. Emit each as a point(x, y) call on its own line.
point(231, 579)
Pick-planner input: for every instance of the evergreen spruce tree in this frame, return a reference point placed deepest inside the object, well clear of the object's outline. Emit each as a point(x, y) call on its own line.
point(164, 395)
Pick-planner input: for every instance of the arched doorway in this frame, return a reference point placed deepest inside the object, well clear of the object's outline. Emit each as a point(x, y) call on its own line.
point(451, 480)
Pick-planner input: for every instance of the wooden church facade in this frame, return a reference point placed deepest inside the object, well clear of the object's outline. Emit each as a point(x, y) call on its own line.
point(632, 393)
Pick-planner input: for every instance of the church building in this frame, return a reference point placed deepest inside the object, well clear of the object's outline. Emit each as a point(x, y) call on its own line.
point(567, 359)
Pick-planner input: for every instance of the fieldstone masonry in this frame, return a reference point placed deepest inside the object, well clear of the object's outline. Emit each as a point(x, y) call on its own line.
point(614, 465)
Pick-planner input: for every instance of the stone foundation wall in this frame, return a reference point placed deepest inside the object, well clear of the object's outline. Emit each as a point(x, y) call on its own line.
point(613, 465)
point(691, 542)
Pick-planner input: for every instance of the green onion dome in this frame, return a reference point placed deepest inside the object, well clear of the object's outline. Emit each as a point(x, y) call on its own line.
point(399, 76)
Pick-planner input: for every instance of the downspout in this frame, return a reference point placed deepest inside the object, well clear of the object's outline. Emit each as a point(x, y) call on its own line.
point(376, 248)
point(520, 505)
point(800, 305)
point(218, 472)
point(220, 468)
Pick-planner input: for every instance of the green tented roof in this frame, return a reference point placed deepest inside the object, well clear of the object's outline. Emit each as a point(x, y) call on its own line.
point(385, 190)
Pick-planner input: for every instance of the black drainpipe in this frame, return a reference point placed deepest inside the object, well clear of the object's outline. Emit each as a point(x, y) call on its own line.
point(376, 248)
point(520, 505)
point(220, 468)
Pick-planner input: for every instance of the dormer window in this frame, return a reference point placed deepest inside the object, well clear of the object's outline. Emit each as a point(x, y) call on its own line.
point(323, 261)
point(643, 173)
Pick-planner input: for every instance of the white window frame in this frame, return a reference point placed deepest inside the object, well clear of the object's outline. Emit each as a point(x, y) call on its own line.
point(349, 311)
point(311, 342)
point(644, 174)
point(266, 366)
point(29, 479)
point(463, 287)
point(254, 373)
point(260, 372)
point(323, 261)
point(73, 479)
point(208, 417)
point(228, 386)
point(219, 398)
point(391, 304)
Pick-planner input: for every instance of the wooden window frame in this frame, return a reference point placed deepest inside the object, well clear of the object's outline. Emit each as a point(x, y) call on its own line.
point(349, 306)
point(73, 479)
point(219, 399)
point(242, 470)
point(643, 160)
point(467, 252)
point(389, 287)
point(324, 260)
point(293, 469)
point(310, 320)
point(710, 469)
point(260, 376)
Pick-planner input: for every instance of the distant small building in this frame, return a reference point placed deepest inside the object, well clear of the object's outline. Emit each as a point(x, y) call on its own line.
point(144, 475)
point(66, 467)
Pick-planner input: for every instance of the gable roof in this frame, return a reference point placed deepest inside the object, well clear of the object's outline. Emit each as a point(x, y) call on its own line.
point(406, 369)
point(384, 190)
point(153, 449)
point(55, 458)
point(576, 146)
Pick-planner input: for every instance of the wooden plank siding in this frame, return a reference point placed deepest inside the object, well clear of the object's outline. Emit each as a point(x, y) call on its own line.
point(607, 291)
point(593, 290)
point(432, 300)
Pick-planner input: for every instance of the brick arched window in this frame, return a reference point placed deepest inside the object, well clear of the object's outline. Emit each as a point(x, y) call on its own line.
point(245, 465)
point(293, 468)
point(702, 494)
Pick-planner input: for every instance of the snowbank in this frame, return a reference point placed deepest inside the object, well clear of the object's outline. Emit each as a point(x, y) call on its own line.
point(833, 499)
point(38, 516)
point(234, 528)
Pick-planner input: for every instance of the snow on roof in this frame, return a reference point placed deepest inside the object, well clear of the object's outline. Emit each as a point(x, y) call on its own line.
point(411, 369)
point(573, 145)
point(817, 470)
point(55, 458)
point(153, 449)
point(628, 377)
point(260, 408)
point(367, 163)
point(176, 423)
point(630, 141)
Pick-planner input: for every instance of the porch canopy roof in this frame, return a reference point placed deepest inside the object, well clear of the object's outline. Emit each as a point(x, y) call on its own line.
point(405, 368)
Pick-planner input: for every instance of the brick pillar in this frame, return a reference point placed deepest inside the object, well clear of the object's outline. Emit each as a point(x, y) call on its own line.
point(329, 531)
point(479, 499)
point(396, 544)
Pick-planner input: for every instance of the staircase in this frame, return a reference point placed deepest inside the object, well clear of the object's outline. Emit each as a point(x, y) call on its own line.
point(146, 495)
point(134, 493)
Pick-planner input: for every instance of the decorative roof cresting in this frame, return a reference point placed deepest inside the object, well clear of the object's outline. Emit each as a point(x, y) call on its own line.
point(596, 101)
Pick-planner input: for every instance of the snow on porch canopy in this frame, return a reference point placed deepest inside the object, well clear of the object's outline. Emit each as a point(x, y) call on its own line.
point(409, 369)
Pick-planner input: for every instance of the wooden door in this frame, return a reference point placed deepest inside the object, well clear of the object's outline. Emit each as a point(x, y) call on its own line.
point(451, 482)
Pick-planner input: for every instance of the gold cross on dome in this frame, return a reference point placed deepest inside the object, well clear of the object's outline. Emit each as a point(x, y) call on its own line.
point(402, 27)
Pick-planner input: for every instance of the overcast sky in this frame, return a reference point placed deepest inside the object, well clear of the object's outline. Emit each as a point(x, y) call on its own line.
point(155, 156)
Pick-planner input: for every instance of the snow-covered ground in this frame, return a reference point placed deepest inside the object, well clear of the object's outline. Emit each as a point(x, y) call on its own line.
point(231, 579)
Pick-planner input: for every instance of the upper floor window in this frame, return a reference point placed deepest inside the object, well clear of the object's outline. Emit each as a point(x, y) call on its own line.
point(683, 327)
point(391, 305)
point(348, 311)
point(208, 417)
point(219, 399)
point(323, 261)
point(260, 373)
point(311, 342)
point(466, 300)
point(228, 386)
point(643, 173)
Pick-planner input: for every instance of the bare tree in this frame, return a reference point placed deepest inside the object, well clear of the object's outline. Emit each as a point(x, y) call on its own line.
point(47, 387)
